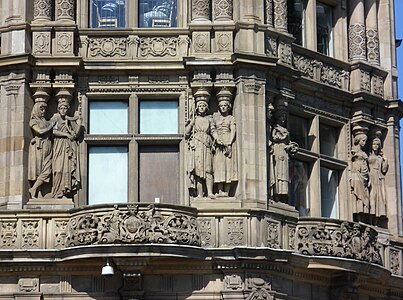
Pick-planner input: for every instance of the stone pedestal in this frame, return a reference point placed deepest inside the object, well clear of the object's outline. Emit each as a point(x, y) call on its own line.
point(43, 203)
point(217, 203)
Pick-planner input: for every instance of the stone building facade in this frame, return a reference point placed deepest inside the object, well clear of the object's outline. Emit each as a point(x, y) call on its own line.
point(206, 149)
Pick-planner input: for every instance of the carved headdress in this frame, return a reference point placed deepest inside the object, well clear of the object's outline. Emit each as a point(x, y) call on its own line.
point(202, 94)
point(63, 98)
point(224, 95)
point(40, 95)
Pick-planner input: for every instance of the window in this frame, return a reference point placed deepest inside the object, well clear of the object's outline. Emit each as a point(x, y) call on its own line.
point(108, 13)
point(296, 19)
point(157, 13)
point(324, 24)
point(317, 165)
point(133, 151)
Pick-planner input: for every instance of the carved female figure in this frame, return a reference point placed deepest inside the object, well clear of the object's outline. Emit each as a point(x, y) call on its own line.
point(378, 166)
point(359, 176)
point(65, 164)
point(40, 148)
point(281, 148)
point(225, 157)
point(198, 132)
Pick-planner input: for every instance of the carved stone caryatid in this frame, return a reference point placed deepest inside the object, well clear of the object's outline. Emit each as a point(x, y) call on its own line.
point(64, 10)
point(280, 15)
point(223, 10)
point(65, 161)
point(269, 12)
point(281, 148)
point(42, 10)
point(201, 10)
point(200, 145)
point(372, 31)
point(223, 130)
point(378, 167)
point(40, 148)
point(356, 31)
point(359, 179)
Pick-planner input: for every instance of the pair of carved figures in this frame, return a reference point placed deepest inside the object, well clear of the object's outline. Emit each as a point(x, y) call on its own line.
point(53, 151)
point(367, 180)
point(280, 148)
point(212, 159)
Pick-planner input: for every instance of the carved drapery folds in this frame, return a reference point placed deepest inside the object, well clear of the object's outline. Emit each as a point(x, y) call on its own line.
point(348, 240)
point(201, 10)
point(280, 15)
point(64, 10)
point(223, 9)
point(42, 10)
point(368, 170)
point(132, 225)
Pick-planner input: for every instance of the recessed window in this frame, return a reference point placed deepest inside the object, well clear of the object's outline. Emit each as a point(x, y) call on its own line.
point(107, 174)
point(328, 140)
point(324, 23)
point(157, 13)
point(329, 183)
point(299, 190)
point(296, 20)
point(299, 130)
point(158, 117)
point(108, 13)
point(108, 117)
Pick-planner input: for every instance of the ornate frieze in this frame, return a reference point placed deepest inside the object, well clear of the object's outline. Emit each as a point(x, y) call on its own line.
point(335, 77)
point(41, 43)
point(42, 10)
point(346, 240)
point(64, 10)
point(132, 225)
point(8, 234)
point(356, 39)
point(280, 15)
point(223, 9)
point(107, 47)
point(158, 46)
point(201, 9)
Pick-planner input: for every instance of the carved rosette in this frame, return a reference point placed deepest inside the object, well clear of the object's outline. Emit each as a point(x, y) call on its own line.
point(64, 43)
point(356, 40)
point(132, 226)
point(223, 9)
point(42, 10)
point(65, 10)
point(41, 43)
point(107, 47)
point(158, 46)
point(373, 46)
point(280, 15)
point(269, 12)
point(348, 240)
point(201, 9)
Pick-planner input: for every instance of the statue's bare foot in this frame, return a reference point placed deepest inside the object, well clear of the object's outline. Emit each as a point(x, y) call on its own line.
point(32, 192)
point(212, 196)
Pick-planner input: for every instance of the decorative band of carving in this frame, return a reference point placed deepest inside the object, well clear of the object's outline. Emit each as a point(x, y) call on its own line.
point(269, 12)
point(132, 225)
point(373, 45)
point(348, 240)
point(43, 9)
point(356, 39)
point(222, 9)
point(65, 10)
point(280, 14)
point(201, 9)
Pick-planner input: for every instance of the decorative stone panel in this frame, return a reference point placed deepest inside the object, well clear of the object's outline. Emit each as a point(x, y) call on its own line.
point(201, 42)
point(132, 225)
point(271, 45)
point(207, 232)
point(8, 234)
point(344, 239)
point(233, 282)
point(158, 47)
point(365, 82)
point(234, 232)
point(273, 234)
point(285, 53)
point(114, 47)
point(64, 43)
point(41, 43)
point(31, 234)
point(223, 41)
point(377, 85)
point(60, 233)
point(28, 285)
point(395, 261)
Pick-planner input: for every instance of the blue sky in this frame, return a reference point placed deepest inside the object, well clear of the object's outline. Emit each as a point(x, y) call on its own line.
point(399, 35)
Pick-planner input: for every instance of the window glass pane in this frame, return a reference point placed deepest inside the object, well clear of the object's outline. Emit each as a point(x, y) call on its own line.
point(157, 13)
point(328, 140)
point(324, 28)
point(159, 173)
point(299, 190)
point(298, 130)
point(329, 182)
point(158, 117)
point(295, 16)
point(108, 117)
point(107, 175)
point(108, 13)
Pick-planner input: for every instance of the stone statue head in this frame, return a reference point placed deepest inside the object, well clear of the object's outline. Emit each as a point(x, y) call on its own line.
point(39, 110)
point(360, 135)
point(376, 145)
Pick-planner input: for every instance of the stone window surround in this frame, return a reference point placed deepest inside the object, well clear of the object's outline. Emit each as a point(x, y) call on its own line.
point(132, 14)
point(316, 160)
point(132, 139)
